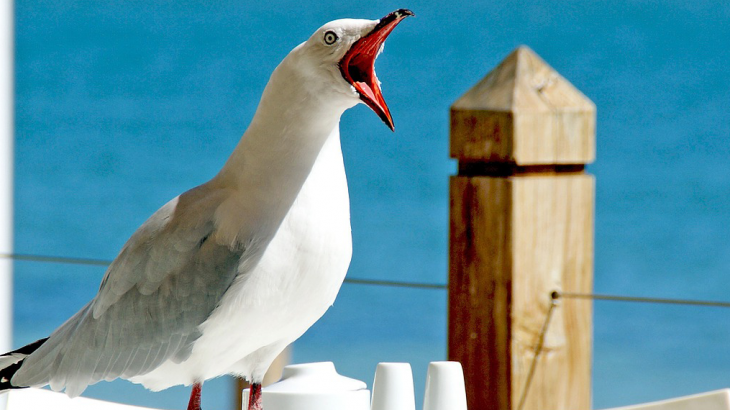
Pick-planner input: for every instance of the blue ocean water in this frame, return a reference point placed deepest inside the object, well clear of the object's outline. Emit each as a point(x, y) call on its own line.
point(123, 105)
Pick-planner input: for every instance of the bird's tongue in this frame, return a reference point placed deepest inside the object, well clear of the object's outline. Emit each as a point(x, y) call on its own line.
point(358, 65)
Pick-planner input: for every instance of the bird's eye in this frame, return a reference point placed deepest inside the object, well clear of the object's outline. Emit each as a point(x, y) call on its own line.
point(330, 38)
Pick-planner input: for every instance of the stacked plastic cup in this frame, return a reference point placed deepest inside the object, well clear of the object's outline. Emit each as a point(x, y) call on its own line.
point(445, 389)
point(393, 387)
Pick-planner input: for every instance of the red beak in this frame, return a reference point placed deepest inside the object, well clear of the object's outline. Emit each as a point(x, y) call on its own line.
point(358, 64)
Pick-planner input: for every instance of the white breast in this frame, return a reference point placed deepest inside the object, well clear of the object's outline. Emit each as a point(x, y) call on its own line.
point(292, 286)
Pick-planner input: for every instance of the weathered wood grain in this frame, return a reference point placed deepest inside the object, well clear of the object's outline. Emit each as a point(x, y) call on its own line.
point(521, 227)
point(552, 250)
point(524, 112)
point(480, 276)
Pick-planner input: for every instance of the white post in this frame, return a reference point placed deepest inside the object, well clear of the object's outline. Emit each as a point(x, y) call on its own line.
point(6, 173)
point(7, 18)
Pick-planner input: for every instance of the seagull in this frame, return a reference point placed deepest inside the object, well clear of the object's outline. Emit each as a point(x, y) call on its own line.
point(226, 275)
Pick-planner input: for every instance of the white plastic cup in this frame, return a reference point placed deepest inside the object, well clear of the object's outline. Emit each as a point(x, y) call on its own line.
point(445, 389)
point(393, 387)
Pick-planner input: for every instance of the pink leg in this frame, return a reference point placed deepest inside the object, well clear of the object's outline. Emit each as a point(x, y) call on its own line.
point(194, 403)
point(254, 397)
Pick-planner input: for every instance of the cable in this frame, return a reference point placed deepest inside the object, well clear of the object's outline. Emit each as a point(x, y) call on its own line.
point(55, 259)
point(102, 262)
point(595, 296)
point(538, 351)
point(395, 284)
point(414, 285)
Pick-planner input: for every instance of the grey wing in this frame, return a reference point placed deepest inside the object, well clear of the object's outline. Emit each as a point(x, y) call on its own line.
point(166, 281)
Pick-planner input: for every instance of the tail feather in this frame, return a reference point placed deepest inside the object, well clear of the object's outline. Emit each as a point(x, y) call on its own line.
point(10, 363)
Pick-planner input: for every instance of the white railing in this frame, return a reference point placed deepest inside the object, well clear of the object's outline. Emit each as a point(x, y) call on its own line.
point(318, 386)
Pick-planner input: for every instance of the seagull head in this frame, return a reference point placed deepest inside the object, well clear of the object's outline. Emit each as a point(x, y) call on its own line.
point(344, 51)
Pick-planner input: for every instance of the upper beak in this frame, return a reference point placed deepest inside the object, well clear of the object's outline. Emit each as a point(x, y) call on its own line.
point(358, 64)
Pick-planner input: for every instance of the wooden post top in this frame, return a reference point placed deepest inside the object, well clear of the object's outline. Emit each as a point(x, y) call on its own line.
point(523, 113)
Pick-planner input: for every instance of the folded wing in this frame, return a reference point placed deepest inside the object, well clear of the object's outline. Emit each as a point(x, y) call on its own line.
point(166, 281)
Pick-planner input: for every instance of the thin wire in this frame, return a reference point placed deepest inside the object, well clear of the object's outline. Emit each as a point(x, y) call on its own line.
point(555, 295)
point(55, 259)
point(375, 282)
point(595, 296)
point(538, 351)
point(102, 262)
point(394, 283)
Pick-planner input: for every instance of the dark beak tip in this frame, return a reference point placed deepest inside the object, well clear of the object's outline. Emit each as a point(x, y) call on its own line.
point(403, 13)
point(388, 121)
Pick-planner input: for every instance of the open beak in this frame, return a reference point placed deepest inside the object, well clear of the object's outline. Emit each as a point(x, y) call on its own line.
point(358, 64)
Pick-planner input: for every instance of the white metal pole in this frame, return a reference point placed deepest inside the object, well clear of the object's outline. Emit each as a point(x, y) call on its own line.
point(6, 171)
point(7, 101)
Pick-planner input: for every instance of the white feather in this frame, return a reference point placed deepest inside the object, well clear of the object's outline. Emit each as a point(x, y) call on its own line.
point(276, 219)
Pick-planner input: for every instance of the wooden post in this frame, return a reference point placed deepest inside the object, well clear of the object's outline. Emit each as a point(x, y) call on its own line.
point(521, 228)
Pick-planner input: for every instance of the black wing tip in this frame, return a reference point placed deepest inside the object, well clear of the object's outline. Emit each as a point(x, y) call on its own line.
point(6, 374)
point(29, 348)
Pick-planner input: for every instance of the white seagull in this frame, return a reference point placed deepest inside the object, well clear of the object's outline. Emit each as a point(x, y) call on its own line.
point(222, 278)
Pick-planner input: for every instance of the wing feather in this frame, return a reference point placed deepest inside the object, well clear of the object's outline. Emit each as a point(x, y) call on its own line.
point(164, 283)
